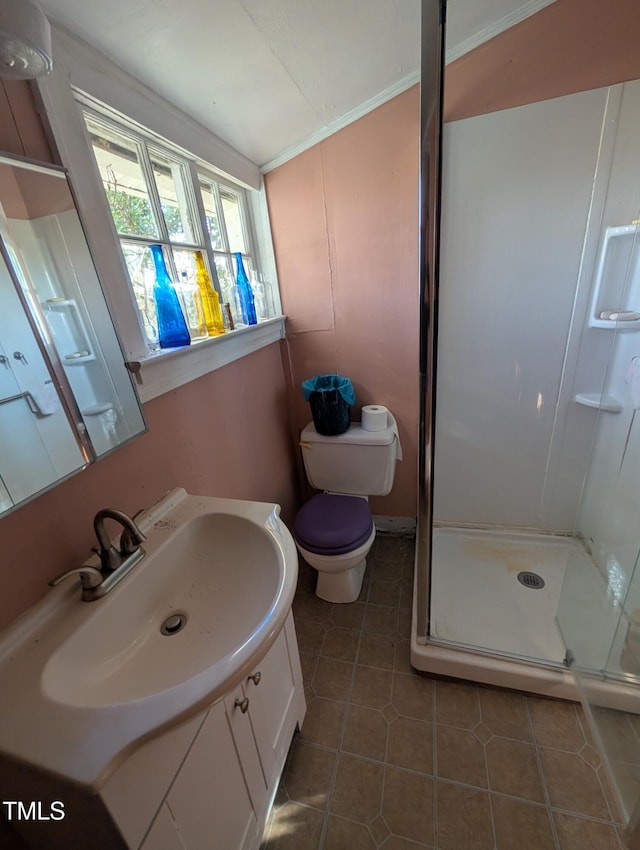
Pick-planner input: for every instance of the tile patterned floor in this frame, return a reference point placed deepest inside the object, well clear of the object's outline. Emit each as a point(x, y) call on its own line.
point(390, 759)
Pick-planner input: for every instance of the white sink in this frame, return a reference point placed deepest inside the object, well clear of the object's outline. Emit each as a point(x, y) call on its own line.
point(104, 669)
point(223, 572)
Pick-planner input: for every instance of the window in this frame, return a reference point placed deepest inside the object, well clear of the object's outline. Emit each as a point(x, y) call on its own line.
point(158, 195)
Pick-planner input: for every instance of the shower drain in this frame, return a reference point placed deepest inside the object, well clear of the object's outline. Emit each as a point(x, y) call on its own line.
point(532, 580)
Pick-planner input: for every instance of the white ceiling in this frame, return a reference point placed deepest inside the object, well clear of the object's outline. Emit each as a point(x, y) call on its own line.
point(270, 76)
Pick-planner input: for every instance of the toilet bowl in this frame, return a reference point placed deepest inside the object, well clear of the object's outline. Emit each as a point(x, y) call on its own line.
point(334, 533)
point(334, 530)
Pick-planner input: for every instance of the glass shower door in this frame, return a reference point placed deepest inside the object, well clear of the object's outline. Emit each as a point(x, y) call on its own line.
point(599, 611)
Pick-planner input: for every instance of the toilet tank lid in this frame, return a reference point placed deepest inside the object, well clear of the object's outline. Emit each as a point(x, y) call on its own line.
point(355, 435)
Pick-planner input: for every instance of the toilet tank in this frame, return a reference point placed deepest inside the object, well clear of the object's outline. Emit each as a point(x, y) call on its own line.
point(358, 462)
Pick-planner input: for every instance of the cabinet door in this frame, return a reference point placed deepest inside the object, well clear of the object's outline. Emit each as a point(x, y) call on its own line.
point(209, 800)
point(276, 702)
point(163, 834)
point(134, 791)
point(243, 737)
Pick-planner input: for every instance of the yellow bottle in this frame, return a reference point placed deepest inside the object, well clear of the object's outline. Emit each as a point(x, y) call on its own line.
point(210, 299)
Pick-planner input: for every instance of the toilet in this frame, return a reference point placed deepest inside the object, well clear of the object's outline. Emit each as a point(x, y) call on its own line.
point(334, 530)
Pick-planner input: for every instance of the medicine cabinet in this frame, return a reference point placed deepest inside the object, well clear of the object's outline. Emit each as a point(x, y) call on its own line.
point(66, 397)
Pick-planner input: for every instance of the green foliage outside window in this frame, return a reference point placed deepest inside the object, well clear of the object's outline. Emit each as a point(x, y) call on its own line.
point(131, 214)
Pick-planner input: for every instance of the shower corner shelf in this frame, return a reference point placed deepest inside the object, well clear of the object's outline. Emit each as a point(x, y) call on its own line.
point(608, 403)
point(97, 409)
point(78, 358)
point(59, 303)
point(617, 278)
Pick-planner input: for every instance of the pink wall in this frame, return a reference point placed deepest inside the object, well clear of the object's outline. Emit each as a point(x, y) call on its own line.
point(21, 129)
point(569, 46)
point(344, 218)
point(225, 434)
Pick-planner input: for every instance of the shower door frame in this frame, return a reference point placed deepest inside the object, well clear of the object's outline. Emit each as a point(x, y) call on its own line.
point(431, 105)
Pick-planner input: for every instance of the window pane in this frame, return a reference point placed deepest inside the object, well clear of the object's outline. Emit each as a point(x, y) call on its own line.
point(185, 264)
point(211, 213)
point(173, 198)
point(123, 180)
point(141, 273)
point(233, 220)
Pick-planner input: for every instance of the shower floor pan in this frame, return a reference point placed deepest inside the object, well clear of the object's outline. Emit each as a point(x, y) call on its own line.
point(491, 627)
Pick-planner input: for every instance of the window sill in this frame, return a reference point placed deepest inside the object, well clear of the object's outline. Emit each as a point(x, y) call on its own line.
point(166, 370)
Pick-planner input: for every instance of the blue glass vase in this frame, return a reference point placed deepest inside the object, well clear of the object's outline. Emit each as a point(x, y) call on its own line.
point(245, 293)
point(172, 327)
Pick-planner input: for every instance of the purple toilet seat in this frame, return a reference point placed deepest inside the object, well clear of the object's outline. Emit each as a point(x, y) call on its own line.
point(331, 524)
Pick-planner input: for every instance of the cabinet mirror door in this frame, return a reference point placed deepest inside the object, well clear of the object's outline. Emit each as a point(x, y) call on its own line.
point(66, 397)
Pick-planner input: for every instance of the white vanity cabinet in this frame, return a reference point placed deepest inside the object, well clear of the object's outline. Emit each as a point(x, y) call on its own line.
point(223, 781)
point(153, 738)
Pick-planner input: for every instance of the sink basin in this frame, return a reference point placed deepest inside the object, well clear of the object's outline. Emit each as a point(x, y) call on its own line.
point(221, 571)
point(84, 681)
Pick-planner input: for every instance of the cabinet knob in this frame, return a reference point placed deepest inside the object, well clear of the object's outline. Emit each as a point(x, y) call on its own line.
point(255, 678)
point(242, 704)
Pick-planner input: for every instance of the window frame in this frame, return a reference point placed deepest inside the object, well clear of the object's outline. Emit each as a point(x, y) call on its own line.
point(193, 176)
point(83, 78)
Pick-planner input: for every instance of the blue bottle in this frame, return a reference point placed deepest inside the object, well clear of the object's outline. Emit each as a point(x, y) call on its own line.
point(245, 293)
point(172, 327)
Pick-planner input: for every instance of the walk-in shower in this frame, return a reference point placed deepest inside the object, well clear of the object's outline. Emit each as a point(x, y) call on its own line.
point(529, 511)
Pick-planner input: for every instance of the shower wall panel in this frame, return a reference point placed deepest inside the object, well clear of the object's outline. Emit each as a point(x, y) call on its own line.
point(517, 188)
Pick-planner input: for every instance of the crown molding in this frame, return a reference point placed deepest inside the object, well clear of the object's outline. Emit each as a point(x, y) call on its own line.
point(344, 120)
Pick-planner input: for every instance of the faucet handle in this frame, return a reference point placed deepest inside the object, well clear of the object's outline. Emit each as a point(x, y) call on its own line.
point(89, 577)
point(131, 538)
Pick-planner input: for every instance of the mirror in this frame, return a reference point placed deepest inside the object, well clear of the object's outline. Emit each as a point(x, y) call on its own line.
point(66, 397)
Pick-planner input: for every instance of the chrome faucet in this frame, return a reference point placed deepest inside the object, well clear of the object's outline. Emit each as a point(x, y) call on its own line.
point(114, 563)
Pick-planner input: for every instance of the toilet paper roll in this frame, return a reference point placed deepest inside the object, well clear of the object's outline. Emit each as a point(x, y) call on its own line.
point(374, 417)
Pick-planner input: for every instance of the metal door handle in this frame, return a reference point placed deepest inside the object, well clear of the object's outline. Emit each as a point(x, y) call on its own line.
point(18, 355)
point(255, 678)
